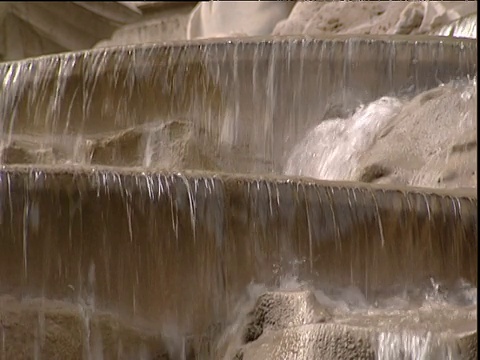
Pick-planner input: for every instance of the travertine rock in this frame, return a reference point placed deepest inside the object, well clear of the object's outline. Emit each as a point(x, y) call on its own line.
point(282, 325)
point(431, 143)
point(428, 141)
point(281, 310)
point(309, 342)
point(339, 17)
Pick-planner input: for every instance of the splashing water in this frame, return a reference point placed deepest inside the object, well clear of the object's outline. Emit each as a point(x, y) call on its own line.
point(425, 141)
point(237, 107)
point(333, 149)
point(227, 231)
point(100, 251)
point(406, 321)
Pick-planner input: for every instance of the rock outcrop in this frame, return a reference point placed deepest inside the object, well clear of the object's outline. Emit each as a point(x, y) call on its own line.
point(318, 18)
point(428, 141)
point(293, 325)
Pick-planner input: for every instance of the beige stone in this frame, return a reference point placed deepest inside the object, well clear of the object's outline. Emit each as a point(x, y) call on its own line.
point(341, 17)
point(277, 327)
point(427, 141)
point(437, 131)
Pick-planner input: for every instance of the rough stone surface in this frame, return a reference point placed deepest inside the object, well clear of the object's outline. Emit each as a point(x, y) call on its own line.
point(317, 18)
point(427, 141)
point(326, 341)
point(436, 135)
point(275, 311)
point(282, 329)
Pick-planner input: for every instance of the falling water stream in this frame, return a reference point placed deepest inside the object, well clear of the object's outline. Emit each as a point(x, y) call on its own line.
point(150, 194)
point(364, 143)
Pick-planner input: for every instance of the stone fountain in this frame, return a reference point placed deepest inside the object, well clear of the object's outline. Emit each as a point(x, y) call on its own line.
point(142, 195)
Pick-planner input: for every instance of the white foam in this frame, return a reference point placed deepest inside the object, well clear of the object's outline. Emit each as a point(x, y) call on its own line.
point(332, 149)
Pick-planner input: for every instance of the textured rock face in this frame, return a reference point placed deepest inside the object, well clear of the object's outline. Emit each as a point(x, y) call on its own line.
point(274, 311)
point(171, 145)
point(210, 20)
point(438, 133)
point(293, 325)
point(428, 141)
point(316, 18)
point(309, 342)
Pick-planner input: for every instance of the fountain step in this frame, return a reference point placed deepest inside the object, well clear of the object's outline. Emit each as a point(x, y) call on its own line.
point(362, 143)
point(255, 99)
point(255, 96)
point(146, 244)
point(52, 328)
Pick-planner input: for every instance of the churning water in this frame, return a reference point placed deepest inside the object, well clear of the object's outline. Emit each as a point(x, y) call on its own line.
point(405, 319)
point(391, 133)
point(113, 247)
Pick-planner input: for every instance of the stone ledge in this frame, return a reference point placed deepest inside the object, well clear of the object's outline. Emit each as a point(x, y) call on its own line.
point(195, 86)
point(129, 227)
point(338, 342)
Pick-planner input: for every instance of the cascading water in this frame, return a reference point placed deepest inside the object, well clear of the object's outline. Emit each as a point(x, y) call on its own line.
point(107, 231)
point(362, 147)
point(238, 106)
point(465, 27)
point(207, 238)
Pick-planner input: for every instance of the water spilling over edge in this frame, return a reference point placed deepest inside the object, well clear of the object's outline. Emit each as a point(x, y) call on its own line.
point(157, 241)
point(236, 106)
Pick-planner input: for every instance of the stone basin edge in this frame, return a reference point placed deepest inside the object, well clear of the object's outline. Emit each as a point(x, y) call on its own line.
point(81, 171)
point(255, 40)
